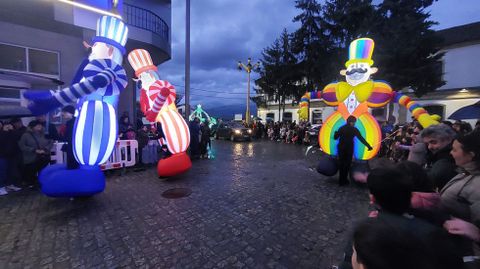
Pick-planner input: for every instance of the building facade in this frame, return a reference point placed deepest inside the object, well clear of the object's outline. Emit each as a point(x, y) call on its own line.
point(461, 46)
point(42, 42)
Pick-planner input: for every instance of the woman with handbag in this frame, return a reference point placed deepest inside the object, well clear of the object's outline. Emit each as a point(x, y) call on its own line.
point(35, 149)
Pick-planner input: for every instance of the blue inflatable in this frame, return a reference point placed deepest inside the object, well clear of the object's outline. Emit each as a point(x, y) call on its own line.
point(327, 166)
point(57, 181)
point(96, 88)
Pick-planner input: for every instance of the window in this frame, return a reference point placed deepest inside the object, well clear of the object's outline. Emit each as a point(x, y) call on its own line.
point(378, 112)
point(316, 116)
point(9, 93)
point(270, 117)
point(287, 116)
point(435, 109)
point(13, 57)
point(44, 62)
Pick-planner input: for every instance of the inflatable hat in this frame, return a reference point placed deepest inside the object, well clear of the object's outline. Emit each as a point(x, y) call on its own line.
point(112, 31)
point(360, 51)
point(141, 61)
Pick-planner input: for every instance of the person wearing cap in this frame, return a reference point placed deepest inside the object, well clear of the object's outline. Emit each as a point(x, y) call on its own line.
point(151, 85)
point(68, 113)
point(96, 89)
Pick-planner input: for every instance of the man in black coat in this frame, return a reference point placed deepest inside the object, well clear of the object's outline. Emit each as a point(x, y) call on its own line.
point(67, 113)
point(346, 134)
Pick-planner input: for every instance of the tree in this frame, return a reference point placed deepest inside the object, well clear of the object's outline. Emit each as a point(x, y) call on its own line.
point(311, 48)
point(277, 76)
point(407, 49)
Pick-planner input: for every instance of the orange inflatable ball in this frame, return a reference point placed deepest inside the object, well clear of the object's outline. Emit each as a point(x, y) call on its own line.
point(174, 165)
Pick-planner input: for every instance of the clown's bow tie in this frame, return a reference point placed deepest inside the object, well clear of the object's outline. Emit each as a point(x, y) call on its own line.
point(362, 90)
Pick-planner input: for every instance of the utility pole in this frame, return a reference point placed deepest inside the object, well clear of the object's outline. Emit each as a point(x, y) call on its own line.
point(187, 60)
point(248, 67)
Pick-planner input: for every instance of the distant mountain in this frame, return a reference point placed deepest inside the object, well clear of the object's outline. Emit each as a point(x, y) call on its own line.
point(228, 111)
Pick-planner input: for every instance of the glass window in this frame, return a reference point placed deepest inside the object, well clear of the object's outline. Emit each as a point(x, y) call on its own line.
point(378, 112)
point(9, 93)
point(287, 116)
point(435, 109)
point(44, 62)
point(270, 117)
point(13, 58)
point(316, 117)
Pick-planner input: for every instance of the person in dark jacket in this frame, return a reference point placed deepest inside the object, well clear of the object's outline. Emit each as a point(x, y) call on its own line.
point(205, 139)
point(142, 139)
point(195, 138)
point(345, 135)
point(67, 113)
point(441, 165)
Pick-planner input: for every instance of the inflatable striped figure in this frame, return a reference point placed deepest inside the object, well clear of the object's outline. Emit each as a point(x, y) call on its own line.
point(354, 98)
point(158, 105)
point(97, 86)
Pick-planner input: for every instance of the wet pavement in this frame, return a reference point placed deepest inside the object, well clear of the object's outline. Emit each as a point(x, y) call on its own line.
point(256, 205)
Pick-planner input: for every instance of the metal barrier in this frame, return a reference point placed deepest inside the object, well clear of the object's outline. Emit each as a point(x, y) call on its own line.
point(124, 155)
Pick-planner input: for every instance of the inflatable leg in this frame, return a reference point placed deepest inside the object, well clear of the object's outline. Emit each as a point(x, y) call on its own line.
point(359, 171)
point(61, 182)
point(327, 166)
point(174, 165)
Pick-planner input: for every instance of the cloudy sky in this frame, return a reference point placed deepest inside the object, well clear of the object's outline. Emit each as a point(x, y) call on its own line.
point(225, 31)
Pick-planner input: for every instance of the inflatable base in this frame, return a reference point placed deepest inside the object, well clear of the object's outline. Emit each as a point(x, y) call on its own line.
point(57, 181)
point(327, 166)
point(174, 165)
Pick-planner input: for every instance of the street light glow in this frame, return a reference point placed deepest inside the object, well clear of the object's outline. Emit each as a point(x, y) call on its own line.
point(90, 8)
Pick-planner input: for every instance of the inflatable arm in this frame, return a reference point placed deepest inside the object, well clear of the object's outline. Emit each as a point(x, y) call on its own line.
point(303, 110)
point(417, 111)
point(99, 74)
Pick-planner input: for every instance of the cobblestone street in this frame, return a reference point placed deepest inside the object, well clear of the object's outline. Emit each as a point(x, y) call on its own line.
point(256, 205)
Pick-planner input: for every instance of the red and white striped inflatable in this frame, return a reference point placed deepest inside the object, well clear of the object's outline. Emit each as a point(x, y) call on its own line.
point(175, 129)
point(156, 88)
point(141, 61)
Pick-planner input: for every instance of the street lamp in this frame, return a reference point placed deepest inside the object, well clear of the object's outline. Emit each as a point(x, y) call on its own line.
point(248, 67)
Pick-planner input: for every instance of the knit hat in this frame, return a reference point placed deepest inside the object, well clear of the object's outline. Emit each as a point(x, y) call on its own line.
point(112, 31)
point(141, 61)
point(69, 109)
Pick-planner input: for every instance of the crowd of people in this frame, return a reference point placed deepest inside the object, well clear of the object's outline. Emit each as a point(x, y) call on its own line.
point(426, 201)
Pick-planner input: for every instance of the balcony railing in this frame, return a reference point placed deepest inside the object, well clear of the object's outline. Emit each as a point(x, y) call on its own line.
point(145, 19)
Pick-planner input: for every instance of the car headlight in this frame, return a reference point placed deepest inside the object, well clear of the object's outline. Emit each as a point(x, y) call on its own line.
point(237, 131)
point(249, 131)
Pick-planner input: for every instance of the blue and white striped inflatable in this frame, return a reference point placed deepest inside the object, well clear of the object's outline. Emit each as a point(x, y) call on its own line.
point(95, 133)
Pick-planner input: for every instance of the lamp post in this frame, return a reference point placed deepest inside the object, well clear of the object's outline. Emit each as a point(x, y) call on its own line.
point(248, 67)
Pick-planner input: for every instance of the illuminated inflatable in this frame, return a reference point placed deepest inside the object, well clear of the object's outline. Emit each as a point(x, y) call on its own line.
point(157, 102)
point(96, 88)
point(203, 116)
point(355, 97)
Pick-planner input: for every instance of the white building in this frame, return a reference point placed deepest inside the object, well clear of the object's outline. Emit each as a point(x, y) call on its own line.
point(460, 73)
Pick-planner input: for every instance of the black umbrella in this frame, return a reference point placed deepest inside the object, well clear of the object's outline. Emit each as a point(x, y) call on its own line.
point(467, 113)
point(11, 111)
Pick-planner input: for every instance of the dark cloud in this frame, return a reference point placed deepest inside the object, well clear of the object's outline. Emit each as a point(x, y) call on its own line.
point(225, 31)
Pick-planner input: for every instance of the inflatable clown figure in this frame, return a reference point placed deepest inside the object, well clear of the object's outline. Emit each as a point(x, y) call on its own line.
point(354, 98)
point(157, 102)
point(95, 88)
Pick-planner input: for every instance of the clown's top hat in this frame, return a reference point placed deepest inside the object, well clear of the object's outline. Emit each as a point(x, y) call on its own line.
point(141, 61)
point(360, 51)
point(112, 31)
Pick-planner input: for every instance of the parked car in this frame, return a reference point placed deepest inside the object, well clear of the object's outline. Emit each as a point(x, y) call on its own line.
point(233, 131)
